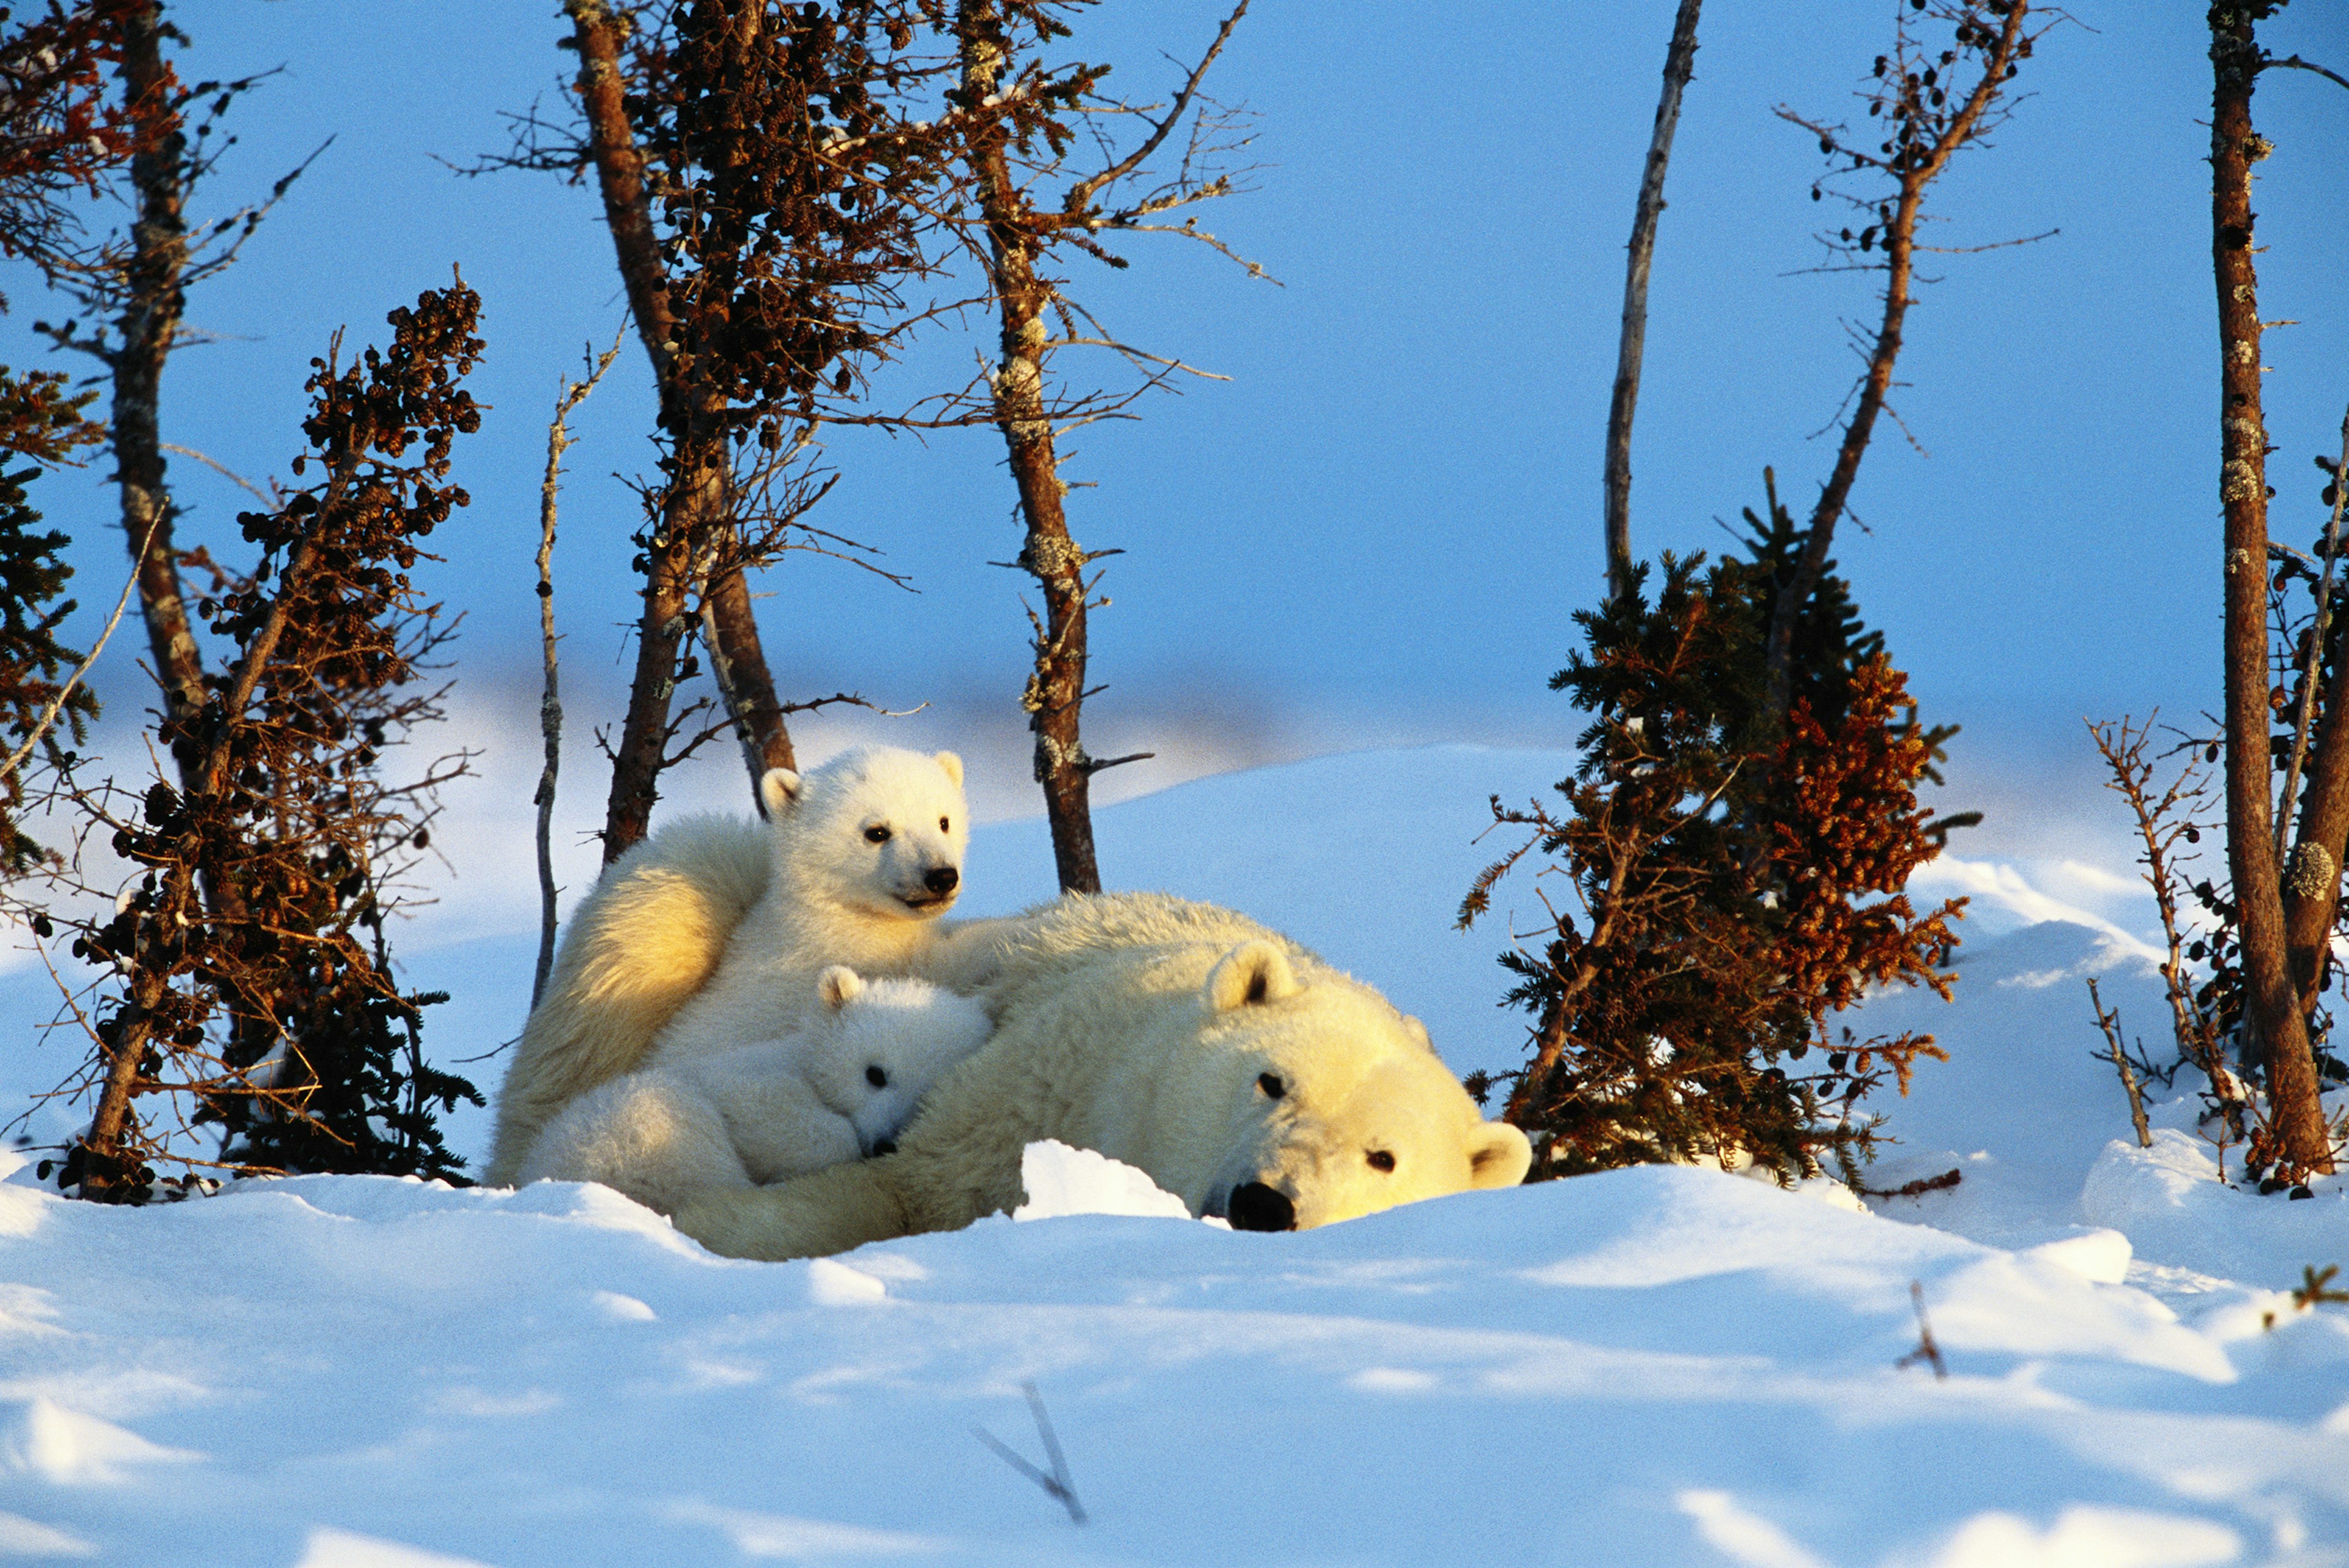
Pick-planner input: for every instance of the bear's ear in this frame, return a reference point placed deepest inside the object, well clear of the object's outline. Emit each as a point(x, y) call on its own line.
point(1498, 1155)
point(1252, 971)
point(838, 986)
point(950, 765)
point(1417, 1030)
point(779, 791)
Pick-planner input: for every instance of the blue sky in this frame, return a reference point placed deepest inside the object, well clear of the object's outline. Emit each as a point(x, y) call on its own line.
point(1378, 528)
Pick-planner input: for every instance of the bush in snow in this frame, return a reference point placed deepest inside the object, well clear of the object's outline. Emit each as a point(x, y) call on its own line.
point(1737, 883)
point(248, 981)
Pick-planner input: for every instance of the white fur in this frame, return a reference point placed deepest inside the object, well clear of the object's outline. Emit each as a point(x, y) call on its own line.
point(764, 1112)
point(737, 918)
point(835, 896)
point(1238, 1070)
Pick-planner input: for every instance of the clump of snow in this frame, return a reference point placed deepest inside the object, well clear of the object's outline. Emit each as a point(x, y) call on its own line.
point(1061, 1181)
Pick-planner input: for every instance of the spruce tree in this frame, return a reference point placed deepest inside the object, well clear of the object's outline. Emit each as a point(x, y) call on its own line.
point(1739, 883)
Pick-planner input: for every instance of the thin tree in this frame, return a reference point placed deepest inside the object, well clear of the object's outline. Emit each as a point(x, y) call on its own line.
point(550, 702)
point(1020, 116)
point(1680, 66)
point(131, 294)
point(2274, 1017)
point(1929, 114)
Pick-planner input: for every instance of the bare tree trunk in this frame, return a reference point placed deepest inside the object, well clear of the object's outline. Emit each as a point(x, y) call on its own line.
point(1680, 64)
point(1056, 689)
point(2277, 1027)
point(150, 322)
point(109, 1170)
point(697, 508)
point(737, 659)
point(153, 300)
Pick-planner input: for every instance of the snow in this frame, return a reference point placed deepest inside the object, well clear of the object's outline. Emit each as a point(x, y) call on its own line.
point(1659, 1365)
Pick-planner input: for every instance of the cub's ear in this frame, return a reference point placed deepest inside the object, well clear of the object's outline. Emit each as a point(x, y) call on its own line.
point(1417, 1030)
point(779, 791)
point(1252, 971)
point(838, 986)
point(950, 765)
point(1498, 1155)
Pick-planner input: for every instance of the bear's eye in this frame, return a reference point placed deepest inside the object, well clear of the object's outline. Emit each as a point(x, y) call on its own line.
point(942, 826)
point(877, 834)
point(1381, 1160)
point(880, 1080)
point(1271, 1085)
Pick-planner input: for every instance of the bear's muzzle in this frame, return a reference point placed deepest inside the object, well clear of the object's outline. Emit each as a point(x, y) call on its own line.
point(1256, 1207)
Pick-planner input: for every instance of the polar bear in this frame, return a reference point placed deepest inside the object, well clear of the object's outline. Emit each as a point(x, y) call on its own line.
point(835, 1090)
point(1239, 1071)
point(709, 933)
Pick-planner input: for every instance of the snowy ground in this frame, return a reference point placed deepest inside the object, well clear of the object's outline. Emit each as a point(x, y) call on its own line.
point(1648, 1367)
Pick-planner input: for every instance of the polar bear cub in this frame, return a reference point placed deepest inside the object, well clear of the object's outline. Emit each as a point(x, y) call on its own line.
point(710, 934)
point(868, 852)
point(834, 1091)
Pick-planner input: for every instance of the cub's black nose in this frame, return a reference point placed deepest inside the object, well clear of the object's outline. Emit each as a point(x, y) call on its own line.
point(883, 1146)
point(941, 879)
point(1256, 1207)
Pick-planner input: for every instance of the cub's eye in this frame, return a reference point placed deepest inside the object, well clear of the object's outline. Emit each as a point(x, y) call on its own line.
point(942, 826)
point(880, 1080)
point(877, 834)
point(1381, 1160)
point(1271, 1085)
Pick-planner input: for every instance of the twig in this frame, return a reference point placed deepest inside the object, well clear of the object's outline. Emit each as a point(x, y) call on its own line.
point(1081, 195)
point(550, 705)
point(1056, 1484)
point(2296, 63)
point(56, 704)
point(1926, 1351)
point(2111, 1025)
point(230, 474)
point(1919, 1188)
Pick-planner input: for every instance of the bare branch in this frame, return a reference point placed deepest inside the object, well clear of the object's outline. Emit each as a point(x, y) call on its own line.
point(254, 490)
point(1080, 194)
point(2295, 63)
point(549, 703)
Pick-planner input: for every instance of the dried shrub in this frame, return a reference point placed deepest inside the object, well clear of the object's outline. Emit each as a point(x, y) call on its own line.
point(251, 981)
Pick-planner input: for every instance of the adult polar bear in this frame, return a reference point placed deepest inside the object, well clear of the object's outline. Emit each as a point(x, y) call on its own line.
point(1238, 1070)
point(710, 934)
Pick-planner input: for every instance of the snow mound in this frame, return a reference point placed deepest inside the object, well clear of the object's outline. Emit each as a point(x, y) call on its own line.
point(1061, 1180)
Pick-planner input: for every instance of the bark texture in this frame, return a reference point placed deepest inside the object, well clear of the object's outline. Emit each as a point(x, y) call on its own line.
point(684, 546)
point(1056, 687)
point(2278, 1027)
point(148, 325)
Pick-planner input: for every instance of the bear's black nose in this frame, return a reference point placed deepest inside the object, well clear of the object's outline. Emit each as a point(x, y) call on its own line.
point(941, 879)
point(1256, 1207)
point(883, 1146)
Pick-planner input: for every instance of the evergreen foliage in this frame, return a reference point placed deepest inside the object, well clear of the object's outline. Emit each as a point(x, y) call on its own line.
point(1736, 887)
point(40, 420)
